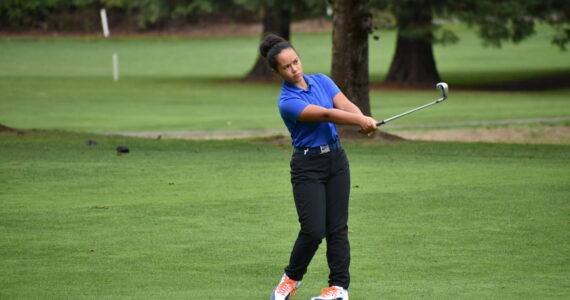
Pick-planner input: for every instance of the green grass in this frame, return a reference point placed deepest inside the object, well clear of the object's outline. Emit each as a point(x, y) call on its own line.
point(466, 63)
point(182, 84)
point(98, 105)
point(204, 220)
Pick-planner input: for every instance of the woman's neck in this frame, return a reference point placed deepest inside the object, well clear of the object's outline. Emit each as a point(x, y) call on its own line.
point(302, 84)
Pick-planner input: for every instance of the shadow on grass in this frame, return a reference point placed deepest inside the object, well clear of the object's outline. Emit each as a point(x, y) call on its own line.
point(524, 81)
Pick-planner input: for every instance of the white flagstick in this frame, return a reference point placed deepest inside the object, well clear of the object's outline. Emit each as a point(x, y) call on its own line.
point(104, 22)
point(106, 34)
point(115, 67)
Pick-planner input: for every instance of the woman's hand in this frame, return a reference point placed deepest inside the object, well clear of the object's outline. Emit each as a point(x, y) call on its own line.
point(367, 125)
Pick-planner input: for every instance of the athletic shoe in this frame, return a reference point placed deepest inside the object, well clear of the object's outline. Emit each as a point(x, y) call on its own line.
point(333, 293)
point(286, 287)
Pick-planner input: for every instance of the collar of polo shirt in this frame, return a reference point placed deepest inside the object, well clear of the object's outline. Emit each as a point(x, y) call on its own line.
point(295, 89)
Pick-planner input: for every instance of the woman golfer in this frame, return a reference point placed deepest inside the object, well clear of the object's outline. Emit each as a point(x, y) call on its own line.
point(310, 106)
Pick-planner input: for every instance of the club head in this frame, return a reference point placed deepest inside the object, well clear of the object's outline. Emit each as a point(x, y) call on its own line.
point(442, 89)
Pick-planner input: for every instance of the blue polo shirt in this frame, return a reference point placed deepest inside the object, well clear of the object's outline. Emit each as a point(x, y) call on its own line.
point(293, 100)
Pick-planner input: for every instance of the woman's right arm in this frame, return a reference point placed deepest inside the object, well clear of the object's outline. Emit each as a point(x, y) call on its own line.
point(314, 113)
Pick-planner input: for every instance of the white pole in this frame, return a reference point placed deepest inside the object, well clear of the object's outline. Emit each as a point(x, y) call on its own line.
point(115, 67)
point(104, 22)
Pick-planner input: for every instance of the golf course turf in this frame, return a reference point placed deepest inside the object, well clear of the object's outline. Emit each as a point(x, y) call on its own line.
point(204, 219)
point(181, 219)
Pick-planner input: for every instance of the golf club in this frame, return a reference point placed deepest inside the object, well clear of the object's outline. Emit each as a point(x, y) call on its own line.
point(441, 88)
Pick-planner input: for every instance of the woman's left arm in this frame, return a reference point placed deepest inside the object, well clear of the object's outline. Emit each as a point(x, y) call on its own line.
point(341, 102)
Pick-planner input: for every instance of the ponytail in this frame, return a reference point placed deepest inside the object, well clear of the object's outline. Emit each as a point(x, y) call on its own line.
point(271, 46)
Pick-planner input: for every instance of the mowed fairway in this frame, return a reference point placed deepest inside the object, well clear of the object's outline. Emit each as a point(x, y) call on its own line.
point(181, 84)
point(179, 219)
point(204, 220)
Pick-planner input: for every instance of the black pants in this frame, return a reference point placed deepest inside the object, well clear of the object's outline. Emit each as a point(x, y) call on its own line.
point(321, 187)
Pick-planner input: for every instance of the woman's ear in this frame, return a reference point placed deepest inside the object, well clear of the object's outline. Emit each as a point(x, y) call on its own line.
point(276, 74)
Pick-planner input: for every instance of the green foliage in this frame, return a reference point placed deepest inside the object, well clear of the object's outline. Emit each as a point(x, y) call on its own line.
point(503, 21)
point(309, 8)
point(142, 14)
point(414, 19)
point(22, 11)
point(496, 21)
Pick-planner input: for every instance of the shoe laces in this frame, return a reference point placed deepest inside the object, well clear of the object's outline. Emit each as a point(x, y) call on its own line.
point(286, 287)
point(329, 292)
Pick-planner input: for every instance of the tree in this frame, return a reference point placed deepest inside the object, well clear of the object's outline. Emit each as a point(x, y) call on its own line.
point(276, 20)
point(495, 21)
point(413, 60)
point(351, 26)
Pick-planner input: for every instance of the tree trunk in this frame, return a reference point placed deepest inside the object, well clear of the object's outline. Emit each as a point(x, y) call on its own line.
point(276, 20)
point(413, 60)
point(351, 26)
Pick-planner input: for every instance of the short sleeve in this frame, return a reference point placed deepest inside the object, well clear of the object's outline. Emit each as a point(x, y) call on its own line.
point(291, 108)
point(330, 87)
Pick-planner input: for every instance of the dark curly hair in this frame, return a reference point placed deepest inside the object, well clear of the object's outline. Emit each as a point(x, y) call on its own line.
point(271, 46)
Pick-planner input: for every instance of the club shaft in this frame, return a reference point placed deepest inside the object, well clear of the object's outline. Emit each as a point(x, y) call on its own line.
point(410, 111)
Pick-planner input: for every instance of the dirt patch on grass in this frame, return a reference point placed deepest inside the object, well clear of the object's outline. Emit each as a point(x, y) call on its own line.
point(539, 134)
point(519, 135)
point(559, 135)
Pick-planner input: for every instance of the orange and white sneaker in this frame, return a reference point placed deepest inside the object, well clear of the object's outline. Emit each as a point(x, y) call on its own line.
point(286, 287)
point(333, 293)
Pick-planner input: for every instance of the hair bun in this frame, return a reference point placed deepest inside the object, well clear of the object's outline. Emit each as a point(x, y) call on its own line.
point(268, 42)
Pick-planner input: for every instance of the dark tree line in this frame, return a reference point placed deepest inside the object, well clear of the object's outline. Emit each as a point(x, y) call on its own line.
point(139, 15)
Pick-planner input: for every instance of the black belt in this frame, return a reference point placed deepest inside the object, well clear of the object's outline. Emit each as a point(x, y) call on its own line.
point(336, 146)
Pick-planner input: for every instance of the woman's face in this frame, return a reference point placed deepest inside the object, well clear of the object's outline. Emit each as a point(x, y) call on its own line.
point(289, 66)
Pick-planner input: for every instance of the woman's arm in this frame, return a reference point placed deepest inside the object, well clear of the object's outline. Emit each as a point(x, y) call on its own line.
point(341, 102)
point(314, 113)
